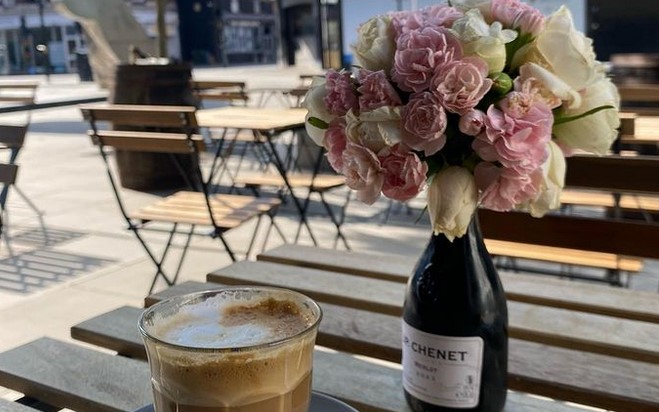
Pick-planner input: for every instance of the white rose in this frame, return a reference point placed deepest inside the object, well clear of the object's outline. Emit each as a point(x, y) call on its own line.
point(549, 195)
point(596, 132)
point(483, 40)
point(375, 45)
point(561, 49)
point(375, 129)
point(313, 102)
point(551, 88)
point(452, 199)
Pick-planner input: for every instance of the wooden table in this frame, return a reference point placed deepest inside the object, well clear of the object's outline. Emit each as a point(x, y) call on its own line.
point(588, 344)
point(265, 124)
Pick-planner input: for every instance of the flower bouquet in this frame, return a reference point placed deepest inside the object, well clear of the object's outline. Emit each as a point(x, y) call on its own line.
point(481, 100)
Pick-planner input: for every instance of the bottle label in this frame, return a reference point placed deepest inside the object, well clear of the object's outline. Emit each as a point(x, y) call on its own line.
point(442, 370)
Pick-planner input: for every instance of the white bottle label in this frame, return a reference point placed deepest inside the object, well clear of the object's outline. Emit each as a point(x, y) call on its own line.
point(442, 370)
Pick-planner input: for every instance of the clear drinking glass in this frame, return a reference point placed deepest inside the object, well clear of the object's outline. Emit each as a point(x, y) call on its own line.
point(247, 349)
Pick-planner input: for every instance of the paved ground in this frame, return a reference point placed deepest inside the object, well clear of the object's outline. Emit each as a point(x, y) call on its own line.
point(73, 259)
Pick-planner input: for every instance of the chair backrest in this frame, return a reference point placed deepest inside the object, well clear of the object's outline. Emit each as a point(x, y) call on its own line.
point(228, 91)
point(614, 173)
point(177, 138)
point(141, 115)
point(12, 137)
point(618, 236)
point(8, 173)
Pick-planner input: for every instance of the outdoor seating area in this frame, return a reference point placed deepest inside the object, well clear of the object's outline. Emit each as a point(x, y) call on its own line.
point(582, 283)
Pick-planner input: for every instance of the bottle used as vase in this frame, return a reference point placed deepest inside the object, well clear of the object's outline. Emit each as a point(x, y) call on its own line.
point(455, 328)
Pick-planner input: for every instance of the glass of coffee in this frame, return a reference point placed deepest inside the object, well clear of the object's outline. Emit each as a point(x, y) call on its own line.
point(247, 349)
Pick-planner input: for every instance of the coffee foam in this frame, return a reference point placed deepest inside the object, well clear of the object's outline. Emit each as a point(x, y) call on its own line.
point(233, 377)
point(219, 324)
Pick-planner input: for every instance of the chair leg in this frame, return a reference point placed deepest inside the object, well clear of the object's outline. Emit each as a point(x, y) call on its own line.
point(157, 262)
point(226, 246)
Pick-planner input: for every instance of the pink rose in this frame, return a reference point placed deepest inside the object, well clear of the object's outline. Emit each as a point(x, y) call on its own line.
point(424, 120)
point(419, 53)
point(376, 91)
point(504, 188)
point(340, 95)
point(472, 123)
point(518, 15)
point(335, 143)
point(517, 134)
point(461, 84)
point(404, 173)
point(363, 172)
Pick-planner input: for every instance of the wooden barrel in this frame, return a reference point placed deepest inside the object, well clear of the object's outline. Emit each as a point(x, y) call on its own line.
point(152, 85)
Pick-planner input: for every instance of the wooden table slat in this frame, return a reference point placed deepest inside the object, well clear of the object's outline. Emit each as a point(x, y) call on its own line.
point(598, 299)
point(560, 327)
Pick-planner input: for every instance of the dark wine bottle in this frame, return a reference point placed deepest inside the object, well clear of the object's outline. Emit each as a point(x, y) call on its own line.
point(455, 328)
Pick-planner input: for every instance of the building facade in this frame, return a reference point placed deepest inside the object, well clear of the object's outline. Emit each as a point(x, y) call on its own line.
point(35, 38)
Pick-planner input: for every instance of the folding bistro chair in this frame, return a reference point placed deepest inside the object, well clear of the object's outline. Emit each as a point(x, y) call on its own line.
point(185, 208)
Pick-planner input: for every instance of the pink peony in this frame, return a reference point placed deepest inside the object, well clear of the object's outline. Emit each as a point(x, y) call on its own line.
point(340, 95)
point(503, 188)
point(404, 173)
point(432, 16)
point(472, 123)
point(517, 134)
point(335, 143)
point(419, 53)
point(518, 15)
point(406, 21)
point(376, 91)
point(424, 121)
point(363, 172)
point(441, 15)
point(460, 85)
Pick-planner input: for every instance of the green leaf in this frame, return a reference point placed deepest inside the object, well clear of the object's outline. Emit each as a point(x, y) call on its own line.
point(566, 119)
point(316, 122)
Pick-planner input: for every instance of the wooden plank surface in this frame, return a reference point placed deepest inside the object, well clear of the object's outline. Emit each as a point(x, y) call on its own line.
point(627, 385)
point(251, 118)
point(70, 376)
point(599, 299)
point(560, 327)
